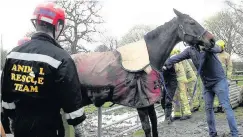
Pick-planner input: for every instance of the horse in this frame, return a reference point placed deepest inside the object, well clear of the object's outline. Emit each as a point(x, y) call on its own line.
point(130, 76)
point(147, 113)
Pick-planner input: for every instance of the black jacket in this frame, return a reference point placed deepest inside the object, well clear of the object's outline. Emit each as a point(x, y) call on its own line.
point(38, 79)
point(211, 70)
point(169, 74)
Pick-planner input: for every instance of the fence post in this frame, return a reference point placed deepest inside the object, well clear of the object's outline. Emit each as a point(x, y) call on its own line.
point(99, 122)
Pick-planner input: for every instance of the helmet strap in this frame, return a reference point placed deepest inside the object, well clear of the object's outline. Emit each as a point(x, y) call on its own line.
point(58, 30)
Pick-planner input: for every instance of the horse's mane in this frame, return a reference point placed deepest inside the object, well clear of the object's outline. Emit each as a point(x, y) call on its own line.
point(154, 33)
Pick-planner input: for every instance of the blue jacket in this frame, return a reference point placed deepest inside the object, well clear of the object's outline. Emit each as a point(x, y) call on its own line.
point(211, 71)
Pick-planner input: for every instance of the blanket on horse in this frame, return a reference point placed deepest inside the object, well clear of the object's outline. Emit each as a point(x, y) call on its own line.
point(102, 74)
point(134, 56)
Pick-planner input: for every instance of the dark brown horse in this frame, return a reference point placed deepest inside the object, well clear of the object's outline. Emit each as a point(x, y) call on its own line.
point(103, 78)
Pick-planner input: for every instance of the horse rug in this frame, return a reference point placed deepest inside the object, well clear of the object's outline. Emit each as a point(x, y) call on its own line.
point(105, 79)
point(135, 57)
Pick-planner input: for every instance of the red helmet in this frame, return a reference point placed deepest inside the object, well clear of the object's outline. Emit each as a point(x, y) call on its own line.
point(23, 40)
point(49, 12)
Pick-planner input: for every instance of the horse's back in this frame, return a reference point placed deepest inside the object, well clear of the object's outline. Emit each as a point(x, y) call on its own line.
point(97, 68)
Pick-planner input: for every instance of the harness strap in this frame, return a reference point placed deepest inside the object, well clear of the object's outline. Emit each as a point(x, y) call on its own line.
point(198, 73)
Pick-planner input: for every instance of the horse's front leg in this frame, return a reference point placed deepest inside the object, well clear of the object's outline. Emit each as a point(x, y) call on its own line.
point(144, 118)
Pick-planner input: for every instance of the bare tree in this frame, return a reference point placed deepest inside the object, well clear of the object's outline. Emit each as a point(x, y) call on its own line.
point(101, 48)
point(135, 33)
point(237, 10)
point(225, 26)
point(222, 25)
point(82, 17)
point(109, 43)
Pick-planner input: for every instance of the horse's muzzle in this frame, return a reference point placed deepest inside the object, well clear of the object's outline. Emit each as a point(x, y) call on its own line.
point(208, 40)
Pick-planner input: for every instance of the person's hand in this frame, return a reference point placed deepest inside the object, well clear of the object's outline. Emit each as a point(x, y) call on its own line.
point(164, 68)
point(206, 49)
point(79, 131)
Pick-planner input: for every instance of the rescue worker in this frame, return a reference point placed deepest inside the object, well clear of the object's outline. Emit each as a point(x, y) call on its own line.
point(226, 63)
point(39, 78)
point(225, 59)
point(191, 80)
point(171, 86)
point(4, 117)
point(182, 107)
point(214, 81)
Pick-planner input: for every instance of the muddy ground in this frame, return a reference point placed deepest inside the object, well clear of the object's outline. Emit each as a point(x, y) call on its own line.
point(197, 126)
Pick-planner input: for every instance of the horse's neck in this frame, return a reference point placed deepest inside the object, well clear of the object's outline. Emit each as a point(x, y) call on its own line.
point(160, 46)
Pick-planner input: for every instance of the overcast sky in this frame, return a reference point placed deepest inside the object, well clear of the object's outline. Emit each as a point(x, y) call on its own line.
point(120, 15)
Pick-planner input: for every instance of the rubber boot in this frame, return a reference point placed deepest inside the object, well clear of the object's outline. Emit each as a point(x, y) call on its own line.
point(185, 117)
point(176, 118)
point(195, 109)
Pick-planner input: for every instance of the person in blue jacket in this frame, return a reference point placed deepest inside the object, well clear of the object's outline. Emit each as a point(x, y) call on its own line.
point(214, 81)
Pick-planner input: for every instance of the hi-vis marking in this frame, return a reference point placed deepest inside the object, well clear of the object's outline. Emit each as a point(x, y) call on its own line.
point(35, 57)
point(26, 81)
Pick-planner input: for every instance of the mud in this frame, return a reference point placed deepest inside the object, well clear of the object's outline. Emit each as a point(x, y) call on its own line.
point(197, 126)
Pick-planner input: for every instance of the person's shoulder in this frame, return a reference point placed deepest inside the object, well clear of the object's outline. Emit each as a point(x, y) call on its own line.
point(48, 48)
point(62, 54)
point(57, 50)
point(227, 54)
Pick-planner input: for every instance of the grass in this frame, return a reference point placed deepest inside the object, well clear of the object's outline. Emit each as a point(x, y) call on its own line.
point(238, 77)
point(240, 83)
point(239, 113)
point(138, 133)
point(91, 108)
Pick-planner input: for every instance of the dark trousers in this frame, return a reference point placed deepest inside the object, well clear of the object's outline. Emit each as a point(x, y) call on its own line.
point(166, 101)
point(38, 126)
point(5, 123)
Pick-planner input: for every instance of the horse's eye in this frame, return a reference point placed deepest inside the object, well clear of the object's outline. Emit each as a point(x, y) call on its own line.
point(192, 22)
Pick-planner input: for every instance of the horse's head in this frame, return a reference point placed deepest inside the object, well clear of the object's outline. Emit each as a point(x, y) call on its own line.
point(191, 32)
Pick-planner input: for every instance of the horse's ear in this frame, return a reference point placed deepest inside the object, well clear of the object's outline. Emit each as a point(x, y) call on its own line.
point(178, 13)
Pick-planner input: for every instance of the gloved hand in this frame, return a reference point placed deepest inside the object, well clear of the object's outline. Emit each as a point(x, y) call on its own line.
point(206, 49)
point(164, 68)
point(79, 131)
